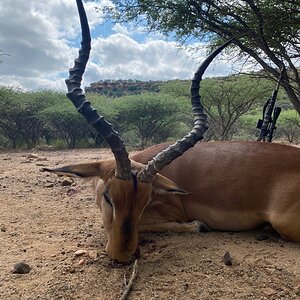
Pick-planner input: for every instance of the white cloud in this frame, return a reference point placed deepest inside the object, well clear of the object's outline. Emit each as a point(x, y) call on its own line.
point(121, 29)
point(41, 35)
point(121, 57)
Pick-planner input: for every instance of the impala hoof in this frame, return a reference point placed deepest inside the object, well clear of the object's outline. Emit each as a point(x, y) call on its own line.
point(201, 226)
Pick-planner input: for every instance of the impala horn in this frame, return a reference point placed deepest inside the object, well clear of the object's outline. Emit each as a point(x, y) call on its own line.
point(83, 106)
point(166, 156)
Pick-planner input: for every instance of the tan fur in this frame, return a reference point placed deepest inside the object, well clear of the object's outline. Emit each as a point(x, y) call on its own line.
point(231, 186)
point(238, 185)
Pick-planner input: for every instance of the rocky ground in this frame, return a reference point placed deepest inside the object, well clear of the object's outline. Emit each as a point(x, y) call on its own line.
point(54, 226)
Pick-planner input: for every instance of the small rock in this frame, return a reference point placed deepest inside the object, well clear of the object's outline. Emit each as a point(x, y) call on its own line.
point(93, 254)
point(49, 185)
point(81, 262)
point(80, 252)
point(297, 290)
point(31, 155)
point(21, 268)
point(67, 182)
point(269, 291)
point(6, 158)
point(71, 192)
point(40, 165)
point(227, 259)
point(2, 228)
point(26, 161)
point(42, 159)
point(72, 270)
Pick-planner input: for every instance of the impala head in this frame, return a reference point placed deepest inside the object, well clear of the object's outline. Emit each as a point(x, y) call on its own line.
point(126, 187)
point(122, 202)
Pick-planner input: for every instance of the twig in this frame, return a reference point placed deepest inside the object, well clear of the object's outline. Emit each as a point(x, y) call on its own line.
point(128, 287)
point(125, 281)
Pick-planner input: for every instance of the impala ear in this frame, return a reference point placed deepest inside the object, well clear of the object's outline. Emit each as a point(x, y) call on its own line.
point(103, 169)
point(163, 185)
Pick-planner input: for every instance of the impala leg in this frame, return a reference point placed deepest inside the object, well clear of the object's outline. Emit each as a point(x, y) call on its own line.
point(193, 227)
point(289, 230)
point(285, 216)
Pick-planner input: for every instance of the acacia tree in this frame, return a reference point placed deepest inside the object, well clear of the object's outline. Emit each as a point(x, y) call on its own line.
point(267, 31)
point(289, 126)
point(227, 99)
point(153, 117)
point(66, 124)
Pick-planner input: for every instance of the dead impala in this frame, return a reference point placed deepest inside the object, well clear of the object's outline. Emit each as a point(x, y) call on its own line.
point(231, 186)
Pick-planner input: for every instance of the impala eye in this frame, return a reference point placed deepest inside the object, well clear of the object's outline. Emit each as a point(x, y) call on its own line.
point(106, 198)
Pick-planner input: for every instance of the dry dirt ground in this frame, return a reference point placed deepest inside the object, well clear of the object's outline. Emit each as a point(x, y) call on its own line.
point(44, 223)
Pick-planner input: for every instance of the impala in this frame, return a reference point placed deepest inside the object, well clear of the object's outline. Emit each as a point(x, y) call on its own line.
point(187, 186)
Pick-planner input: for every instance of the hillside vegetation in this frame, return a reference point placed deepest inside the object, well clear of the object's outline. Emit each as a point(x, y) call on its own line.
point(144, 114)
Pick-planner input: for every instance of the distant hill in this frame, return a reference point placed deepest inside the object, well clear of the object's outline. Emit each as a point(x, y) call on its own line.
point(118, 88)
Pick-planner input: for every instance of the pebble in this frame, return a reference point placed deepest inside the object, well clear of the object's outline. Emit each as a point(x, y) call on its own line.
point(2, 228)
point(40, 165)
point(21, 268)
point(31, 155)
point(42, 159)
point(80, 252)
point(81, 262)
point(93, 254)
point(26, 162)
point(49, 185)
point(227, 259)
point(67, 182)
point(269, 291)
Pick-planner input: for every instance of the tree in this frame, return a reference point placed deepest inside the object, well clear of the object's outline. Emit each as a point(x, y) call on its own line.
point(289, 126)
point(153, 117)
point(11, 116)
point(66, 123)
point(227, 99)
point(20, 119)
point(267, 31)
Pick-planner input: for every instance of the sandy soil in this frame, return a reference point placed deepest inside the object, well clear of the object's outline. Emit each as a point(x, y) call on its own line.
point(43, 224)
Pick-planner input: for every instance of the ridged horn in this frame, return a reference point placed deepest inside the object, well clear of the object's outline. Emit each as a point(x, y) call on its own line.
point(165, 157)
point(83, 106)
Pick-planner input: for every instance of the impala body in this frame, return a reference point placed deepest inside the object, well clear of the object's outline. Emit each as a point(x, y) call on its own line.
point(187, 186)
point(229, 186)
point(232, 186)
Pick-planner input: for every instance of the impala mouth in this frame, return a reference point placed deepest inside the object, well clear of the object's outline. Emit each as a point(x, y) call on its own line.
point(135, 255)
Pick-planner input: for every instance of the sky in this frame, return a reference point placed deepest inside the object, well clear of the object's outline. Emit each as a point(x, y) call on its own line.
point(42, 37)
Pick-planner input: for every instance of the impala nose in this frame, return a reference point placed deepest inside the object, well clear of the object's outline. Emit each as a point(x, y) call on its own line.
point(124, 256)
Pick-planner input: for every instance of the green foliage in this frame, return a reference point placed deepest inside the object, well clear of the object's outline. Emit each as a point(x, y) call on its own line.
point(247, 126)
point(65, 123)
point(19, 118)
point(227, 99)
point(289, 126)
point(234, 105)
point(267, 31)
point(153, 117)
